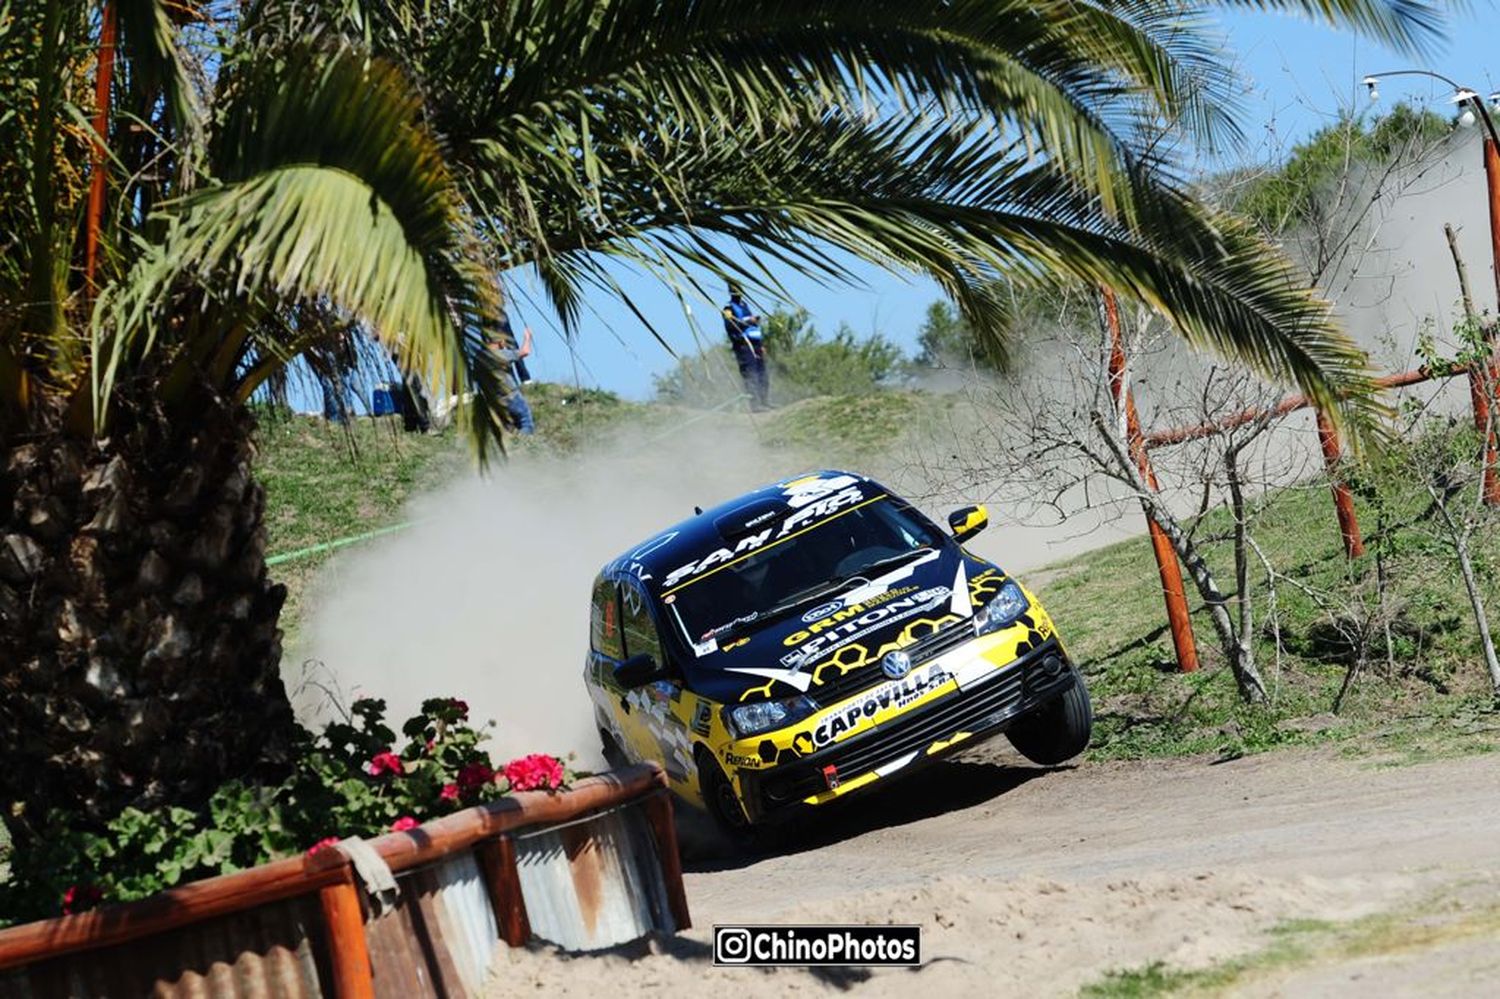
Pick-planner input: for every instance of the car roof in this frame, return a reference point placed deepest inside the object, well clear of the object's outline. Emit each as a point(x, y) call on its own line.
point(652, 559)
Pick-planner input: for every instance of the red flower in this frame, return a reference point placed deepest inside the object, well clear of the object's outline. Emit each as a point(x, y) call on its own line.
point(462, 707)
point(535, 772)
point(384, 763)
point(472, 775)
point(404, 823)
point(448, 793)
point(322, 844)
point(80, 897)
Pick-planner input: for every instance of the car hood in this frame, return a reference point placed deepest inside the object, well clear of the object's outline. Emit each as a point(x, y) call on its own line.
point(777, 659)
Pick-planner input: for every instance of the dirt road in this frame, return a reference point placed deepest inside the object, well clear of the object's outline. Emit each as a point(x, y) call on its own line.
point(1030, 881)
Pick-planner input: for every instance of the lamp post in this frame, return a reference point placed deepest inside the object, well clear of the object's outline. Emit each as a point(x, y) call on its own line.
point(1482, 382)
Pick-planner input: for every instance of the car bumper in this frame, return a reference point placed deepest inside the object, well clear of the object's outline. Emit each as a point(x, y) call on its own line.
point(955, 721)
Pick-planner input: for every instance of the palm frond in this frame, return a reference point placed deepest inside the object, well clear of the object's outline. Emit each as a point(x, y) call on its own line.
point(327, 187)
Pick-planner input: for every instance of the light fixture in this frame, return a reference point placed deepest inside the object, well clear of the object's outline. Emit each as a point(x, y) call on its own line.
point(1373, 83)
point(1467, 119)
point(1461, 95)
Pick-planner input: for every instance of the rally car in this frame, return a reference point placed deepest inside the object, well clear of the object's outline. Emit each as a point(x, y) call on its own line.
point(814, 638)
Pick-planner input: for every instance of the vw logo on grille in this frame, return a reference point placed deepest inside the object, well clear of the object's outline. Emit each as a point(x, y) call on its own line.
point(896, 665)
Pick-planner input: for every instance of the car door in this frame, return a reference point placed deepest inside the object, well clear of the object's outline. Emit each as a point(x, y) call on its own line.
point(606, 651)
point(660, 715)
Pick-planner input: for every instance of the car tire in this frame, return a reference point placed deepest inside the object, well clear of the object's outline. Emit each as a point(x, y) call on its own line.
point(722, 803)
point(1059, 730)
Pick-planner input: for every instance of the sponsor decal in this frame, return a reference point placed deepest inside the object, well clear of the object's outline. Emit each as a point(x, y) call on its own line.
point(736, 760)
point(718, 556)
point(702, 716)
point(825, 507)
point(811, 500)
point(755, 522)
point(827, 618)
point(852, 624)
point(896, 694)
point(822, 610)
point(801, 492)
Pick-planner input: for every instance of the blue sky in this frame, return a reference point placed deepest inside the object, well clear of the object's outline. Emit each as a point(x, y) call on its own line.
point(1298, 77)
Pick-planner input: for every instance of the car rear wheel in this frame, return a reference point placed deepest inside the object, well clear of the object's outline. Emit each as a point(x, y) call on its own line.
point(1058, 731)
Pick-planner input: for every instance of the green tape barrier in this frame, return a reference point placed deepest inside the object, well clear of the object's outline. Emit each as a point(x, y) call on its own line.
point(328, 546)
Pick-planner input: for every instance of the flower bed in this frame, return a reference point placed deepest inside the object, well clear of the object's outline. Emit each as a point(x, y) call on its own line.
point(354, 778)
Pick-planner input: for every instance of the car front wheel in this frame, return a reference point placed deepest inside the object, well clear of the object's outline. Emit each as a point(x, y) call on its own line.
point(1059, 730)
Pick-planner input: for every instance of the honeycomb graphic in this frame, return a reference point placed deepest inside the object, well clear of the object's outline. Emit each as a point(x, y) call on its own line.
point(856, 654)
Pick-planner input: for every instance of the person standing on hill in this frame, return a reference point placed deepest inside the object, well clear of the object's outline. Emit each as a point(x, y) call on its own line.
point(506, 350)
point(743, 328)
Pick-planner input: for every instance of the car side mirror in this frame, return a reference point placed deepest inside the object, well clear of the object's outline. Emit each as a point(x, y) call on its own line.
point(639, 670)
point(967, 521)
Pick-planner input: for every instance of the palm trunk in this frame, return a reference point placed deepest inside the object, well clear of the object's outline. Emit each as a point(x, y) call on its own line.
point(139, 654)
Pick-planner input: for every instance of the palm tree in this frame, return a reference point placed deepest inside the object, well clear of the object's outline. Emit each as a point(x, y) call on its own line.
point(277, 170)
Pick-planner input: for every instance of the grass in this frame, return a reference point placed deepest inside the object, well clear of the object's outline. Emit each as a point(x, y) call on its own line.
point(325, 483)
point(1108, 606)
point(1305, 943)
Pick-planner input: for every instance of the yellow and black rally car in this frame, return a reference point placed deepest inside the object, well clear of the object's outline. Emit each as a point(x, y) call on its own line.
point(812, 638)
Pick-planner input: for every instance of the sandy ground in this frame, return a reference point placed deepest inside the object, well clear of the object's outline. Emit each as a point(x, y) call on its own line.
point(1036, 882)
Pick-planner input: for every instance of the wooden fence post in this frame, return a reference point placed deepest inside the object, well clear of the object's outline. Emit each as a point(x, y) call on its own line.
point(1491, 484)
point(1166, 556)
point(1343, 499)
point(348, 952)
point(498, 857)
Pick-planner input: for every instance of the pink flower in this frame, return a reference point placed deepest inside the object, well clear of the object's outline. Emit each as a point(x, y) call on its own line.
point(448, 793)
point(322, 844)
point(428, 748)
point(80, 897)
point(472, 775)
point(535, 772)
point(404, 823)
point(386, 762)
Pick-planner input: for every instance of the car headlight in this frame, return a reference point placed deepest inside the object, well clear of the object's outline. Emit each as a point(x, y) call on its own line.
point(1002, 611)
point(763, 716)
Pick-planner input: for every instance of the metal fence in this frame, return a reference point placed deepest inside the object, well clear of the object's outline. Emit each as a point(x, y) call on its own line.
point(588, 868)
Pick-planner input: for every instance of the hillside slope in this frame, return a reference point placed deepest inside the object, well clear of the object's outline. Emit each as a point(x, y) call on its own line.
point(325, 483)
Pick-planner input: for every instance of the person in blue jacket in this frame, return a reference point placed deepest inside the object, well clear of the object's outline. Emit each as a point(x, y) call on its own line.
point(742, 326)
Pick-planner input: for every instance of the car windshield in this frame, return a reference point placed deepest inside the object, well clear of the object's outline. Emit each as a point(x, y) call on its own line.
point(740, 596)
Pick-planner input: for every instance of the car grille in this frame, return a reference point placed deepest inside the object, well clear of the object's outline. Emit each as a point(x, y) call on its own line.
point(842, 686)
point(977, 709)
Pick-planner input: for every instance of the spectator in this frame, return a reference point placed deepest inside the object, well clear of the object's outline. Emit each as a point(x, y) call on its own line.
point(519, 369)
point(743, 329)
point(506, 350)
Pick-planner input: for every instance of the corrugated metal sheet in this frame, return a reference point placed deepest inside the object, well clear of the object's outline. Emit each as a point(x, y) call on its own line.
point(596, 883)
point(264, 952)
point(441, 936)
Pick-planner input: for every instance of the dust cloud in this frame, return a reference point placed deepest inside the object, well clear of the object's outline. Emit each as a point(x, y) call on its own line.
point(487, 597)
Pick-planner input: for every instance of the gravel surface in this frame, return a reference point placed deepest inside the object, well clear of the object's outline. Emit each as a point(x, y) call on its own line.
point(1031, 881)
